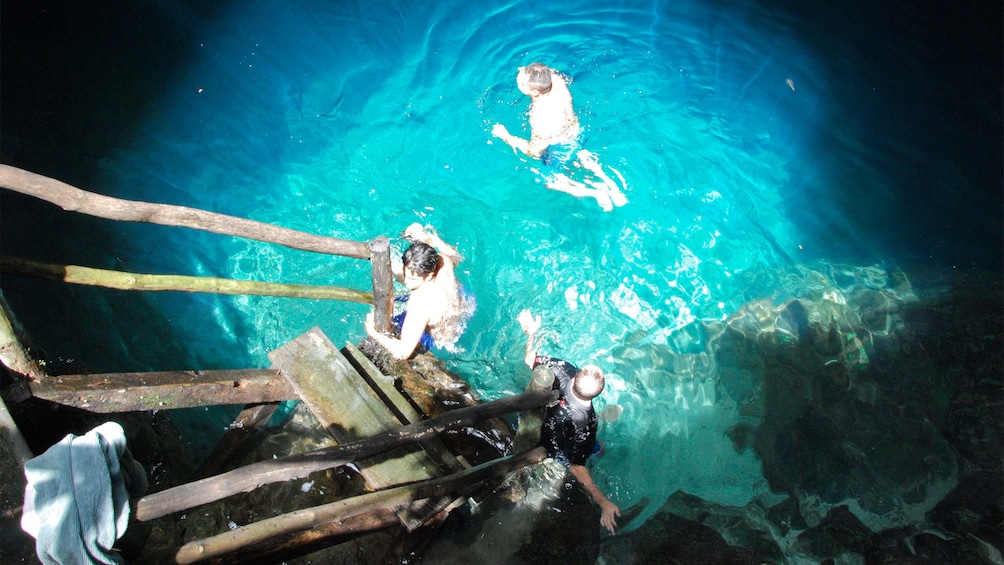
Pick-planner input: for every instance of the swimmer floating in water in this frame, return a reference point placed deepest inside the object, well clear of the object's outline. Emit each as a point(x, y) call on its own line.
point(554, 132)
point(438, 307)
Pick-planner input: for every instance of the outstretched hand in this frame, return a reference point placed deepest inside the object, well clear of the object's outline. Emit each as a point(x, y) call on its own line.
point(528, 322)
point(498, 130)
point(414, 232)
point(608, 516)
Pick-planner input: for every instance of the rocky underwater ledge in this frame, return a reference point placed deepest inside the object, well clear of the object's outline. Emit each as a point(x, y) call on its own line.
point(875, 406)
point(873, 403)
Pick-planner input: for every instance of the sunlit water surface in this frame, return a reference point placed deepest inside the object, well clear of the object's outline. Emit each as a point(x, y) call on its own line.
point(354, 120)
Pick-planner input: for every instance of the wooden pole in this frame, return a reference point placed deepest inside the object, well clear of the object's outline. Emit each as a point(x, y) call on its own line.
point(250, 477)
point(302, 520)
point(74, 199)
point(139, 392)
point(530, 421)
point(12, 354)
point(134, 281)
point(298, 544)
point(383, 283)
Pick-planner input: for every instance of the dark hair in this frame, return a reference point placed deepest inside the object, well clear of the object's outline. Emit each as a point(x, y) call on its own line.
point(422, 259)
point(588, 382)
point(538, 77)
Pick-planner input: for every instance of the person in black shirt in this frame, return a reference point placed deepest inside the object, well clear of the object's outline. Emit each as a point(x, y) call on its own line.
point(569, 430)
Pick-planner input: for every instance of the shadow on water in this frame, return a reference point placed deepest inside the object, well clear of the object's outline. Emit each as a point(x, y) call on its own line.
point(76, 79)
point(928, 109)
point(873, 405)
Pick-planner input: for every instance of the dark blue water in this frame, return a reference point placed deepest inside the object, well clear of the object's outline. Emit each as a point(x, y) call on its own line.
point(751, 138)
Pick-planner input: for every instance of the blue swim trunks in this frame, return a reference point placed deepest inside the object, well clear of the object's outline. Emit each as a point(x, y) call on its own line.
point(425, 342)
point(557, 157)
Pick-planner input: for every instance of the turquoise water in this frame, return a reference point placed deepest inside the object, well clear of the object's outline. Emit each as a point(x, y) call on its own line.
point(748, 143)
point(355, 138)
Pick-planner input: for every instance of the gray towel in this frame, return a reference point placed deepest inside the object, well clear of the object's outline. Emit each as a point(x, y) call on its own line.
point(76, 504)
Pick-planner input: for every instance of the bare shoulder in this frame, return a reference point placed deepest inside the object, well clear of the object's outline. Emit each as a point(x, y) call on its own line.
point(422, 303)
point(446, 277)
point(559, 83)
point(560, 95)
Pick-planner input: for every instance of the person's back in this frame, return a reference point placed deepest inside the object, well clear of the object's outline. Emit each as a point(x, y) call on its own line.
point(441, 302)
point(569, 429)
point(552, 117)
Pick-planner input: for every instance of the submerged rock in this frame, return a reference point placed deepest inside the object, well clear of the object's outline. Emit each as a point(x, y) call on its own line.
point(874, 408)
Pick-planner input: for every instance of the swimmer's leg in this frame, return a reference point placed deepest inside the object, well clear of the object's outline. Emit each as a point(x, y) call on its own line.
point(562, 183)
point(592, 164)
point(620, 194)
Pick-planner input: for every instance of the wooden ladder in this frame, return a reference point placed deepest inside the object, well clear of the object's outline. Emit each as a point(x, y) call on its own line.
point(353, 400)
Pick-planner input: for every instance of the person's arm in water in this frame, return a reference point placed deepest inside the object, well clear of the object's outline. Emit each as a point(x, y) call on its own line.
point(415, 322)
point(517, 143)
point(609, 510)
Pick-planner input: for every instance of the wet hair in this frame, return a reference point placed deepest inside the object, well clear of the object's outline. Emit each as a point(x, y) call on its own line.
point(588, 383)
point(538, 77)
point(422, 259)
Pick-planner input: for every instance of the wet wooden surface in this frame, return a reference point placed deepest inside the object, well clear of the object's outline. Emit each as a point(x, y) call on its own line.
point(348, 407)
point(127, 392)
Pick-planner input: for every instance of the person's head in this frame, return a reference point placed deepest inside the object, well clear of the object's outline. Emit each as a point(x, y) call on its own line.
point(588, 382)
point(534, 79)
point(421, 263)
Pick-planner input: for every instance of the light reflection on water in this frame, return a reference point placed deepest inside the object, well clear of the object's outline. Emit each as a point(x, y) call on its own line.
point(312, 118)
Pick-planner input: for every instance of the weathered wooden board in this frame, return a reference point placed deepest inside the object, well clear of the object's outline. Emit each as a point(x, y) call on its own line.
point(250, 477)
point(417, 512)
point(384, 386)
point(127, 392)
point(346, 405)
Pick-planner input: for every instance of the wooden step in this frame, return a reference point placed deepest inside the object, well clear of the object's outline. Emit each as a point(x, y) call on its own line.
point(350, 409)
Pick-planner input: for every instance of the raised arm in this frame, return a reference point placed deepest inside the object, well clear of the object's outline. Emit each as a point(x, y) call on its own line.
point(417, 232)
point(530, 325)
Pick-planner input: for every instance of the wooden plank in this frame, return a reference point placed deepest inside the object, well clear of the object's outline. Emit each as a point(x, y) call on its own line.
point(530, 421)
point(288, 547)
point(383, 283)
point(127, 392)
point(77, 274)
point(348, 408)
point(13, 355)
point(303, 520)
point(385, 387)
point(420, 511)
point(382, 385)
point(250, 477)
